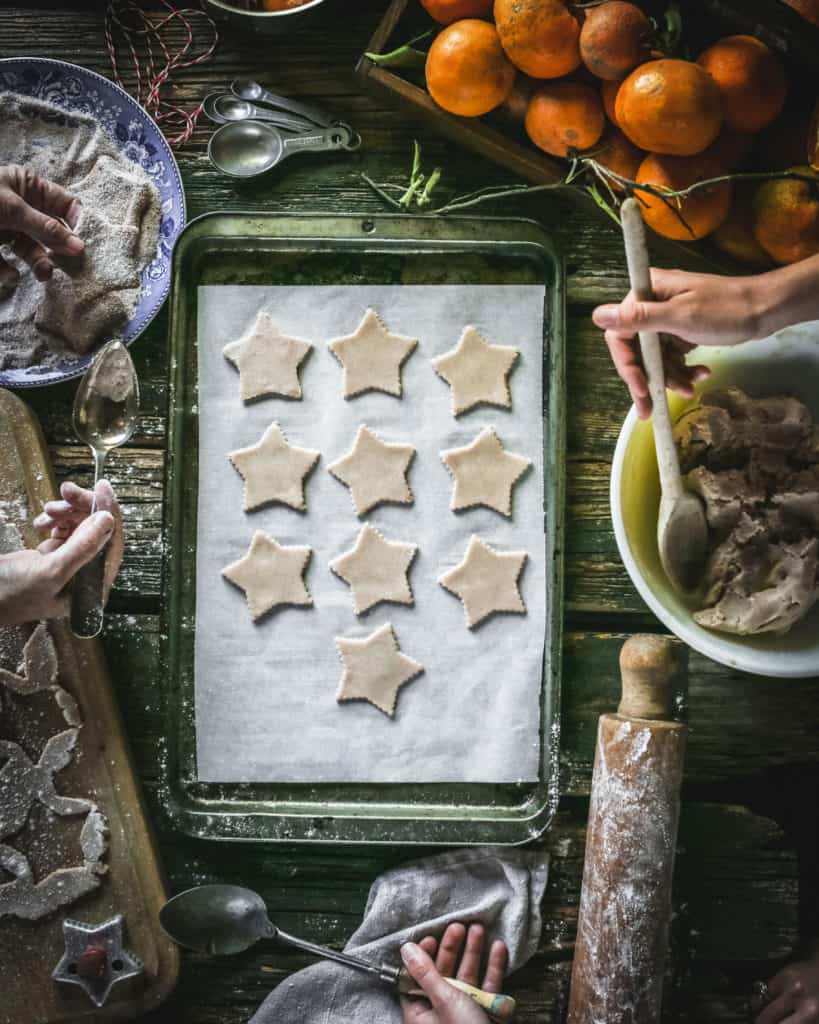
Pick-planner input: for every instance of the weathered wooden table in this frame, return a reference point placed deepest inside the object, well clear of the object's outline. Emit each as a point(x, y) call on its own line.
point(746, 889)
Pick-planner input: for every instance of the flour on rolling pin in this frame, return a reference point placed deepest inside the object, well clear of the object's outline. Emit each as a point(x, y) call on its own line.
point(625, 904)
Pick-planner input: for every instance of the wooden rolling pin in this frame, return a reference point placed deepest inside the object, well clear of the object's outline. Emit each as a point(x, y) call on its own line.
point(625, 903)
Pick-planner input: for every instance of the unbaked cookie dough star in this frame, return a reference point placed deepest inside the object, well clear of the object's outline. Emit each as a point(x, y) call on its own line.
point(477, 372)
point(375, 471)
point(372, 357)
point(273, 470)
point(486, 581)
point(374, 669)
point(267, 360)
point(484, 473)
point(271, 575)
point(376, 569)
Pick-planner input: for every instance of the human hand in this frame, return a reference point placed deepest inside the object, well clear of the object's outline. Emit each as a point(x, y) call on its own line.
point(35, 216)
point(33, 582)
point(689, 310)
point(793, 995)
point(458, 955)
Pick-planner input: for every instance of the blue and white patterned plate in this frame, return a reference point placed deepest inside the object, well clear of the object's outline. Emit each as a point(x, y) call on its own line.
point(134, 133)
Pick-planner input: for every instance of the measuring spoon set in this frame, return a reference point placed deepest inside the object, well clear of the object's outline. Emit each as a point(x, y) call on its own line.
point(259, 129)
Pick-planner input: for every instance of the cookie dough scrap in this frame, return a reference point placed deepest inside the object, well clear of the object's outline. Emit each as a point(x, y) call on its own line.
point(375, 471)
point(268, 360)
point(38, 670)
point(486, 581)
point(271, 575)
point(273, 470)
point(372, 357)
point(477, 372)
point(484, 473)
point(375, 669)
point(376, 570)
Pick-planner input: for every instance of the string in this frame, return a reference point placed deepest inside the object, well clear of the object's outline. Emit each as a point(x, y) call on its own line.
point(156, 59)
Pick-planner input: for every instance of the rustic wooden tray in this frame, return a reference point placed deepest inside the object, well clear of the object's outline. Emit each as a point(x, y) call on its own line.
point(101, 768)
point(705, 20)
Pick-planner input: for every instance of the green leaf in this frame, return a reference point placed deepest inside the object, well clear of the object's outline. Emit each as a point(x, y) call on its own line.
point(406, 56)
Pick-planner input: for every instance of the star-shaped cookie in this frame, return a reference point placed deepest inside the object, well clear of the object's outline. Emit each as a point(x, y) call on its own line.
point(271, 574)
point(376, 570)
point(477, 372)
point(267, 360)
point(484, 473)
point(273, 470)
point(372, 357)
point(375, 471)
point(486, 581)
point(374, 669)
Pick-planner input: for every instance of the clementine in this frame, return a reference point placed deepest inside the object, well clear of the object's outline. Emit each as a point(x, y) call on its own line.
point(809, 9)
point(619, 154)
point(564, 116)
point(696, 215)
point(515, 105)
point(467, 71)
point(751, 81)
point(447, 11)
point(615, 38)
point(786, 217)
point(540, 36)
point(669, 106)
point(609, 92)
point(735, 236)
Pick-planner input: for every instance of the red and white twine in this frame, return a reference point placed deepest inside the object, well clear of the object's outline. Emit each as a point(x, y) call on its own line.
point(157, 59)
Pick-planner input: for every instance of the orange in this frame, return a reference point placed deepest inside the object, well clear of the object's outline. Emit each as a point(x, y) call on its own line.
point(614, 39)
point(619, 154)
point(786, 217)
point(515, 105)
point(564, 116)
point(809, 9)
point(609, 91)
point(447, 11)
point(703, 211)
point(539, 36)
point(735, 236)
point(467, 71)
point(751, 81)
point(669, 106)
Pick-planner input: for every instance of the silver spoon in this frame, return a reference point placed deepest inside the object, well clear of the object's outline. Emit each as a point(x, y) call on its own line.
point(682, 529)
point(222, 108)
point(244, 149)
point(247, 89)
point(223, 919)
point(106, 408)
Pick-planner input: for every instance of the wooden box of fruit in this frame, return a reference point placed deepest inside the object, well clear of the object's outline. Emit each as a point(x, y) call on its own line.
point(617, 95)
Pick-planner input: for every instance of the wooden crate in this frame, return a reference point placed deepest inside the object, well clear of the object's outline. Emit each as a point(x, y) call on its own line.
point(795, 39)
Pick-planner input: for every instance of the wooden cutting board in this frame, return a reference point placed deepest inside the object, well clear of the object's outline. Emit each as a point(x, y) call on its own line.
point(100, 769)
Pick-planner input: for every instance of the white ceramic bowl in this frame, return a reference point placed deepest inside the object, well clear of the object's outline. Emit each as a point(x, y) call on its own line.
point(785, 363)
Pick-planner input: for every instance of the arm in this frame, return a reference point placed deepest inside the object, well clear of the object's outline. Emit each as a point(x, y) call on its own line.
point(704, 309)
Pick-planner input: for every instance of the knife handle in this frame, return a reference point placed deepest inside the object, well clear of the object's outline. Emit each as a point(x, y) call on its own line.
point(498, 1007)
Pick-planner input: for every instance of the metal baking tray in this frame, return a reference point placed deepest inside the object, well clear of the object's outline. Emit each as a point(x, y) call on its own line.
point(299, 250)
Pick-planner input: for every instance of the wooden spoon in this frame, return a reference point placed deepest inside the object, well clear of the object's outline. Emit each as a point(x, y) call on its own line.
point(682, 529)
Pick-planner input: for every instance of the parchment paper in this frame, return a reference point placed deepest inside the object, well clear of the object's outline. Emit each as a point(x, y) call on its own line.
point(265, 692)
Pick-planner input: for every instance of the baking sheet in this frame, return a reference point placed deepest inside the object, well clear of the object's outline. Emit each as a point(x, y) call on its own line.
point(265, 692)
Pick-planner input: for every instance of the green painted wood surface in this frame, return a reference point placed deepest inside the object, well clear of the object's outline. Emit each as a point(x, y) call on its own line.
point(752, 772)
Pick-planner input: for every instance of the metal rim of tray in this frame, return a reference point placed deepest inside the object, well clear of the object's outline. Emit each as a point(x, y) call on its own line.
point(307, 814)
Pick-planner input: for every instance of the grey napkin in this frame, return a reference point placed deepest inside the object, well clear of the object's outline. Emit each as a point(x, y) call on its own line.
point(498, 887)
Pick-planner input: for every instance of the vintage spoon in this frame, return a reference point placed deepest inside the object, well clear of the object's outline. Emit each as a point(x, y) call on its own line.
point(106, 408)
point(682, 529)
point(222, 108)
point(247, 89)
point(243, 149)
point(224, 919)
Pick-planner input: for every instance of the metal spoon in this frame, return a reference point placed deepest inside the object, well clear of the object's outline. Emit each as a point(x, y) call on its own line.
point(224, 919)
point(106, 408)
point(224, 107)
point(682, 529)
point(247, 89)
point(244, 149)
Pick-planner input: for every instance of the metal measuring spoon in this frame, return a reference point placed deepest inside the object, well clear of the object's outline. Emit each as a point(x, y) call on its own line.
point(244, 149)
point(247, 89)
point(106, 408)
point(224, 919)
point(222, 108)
